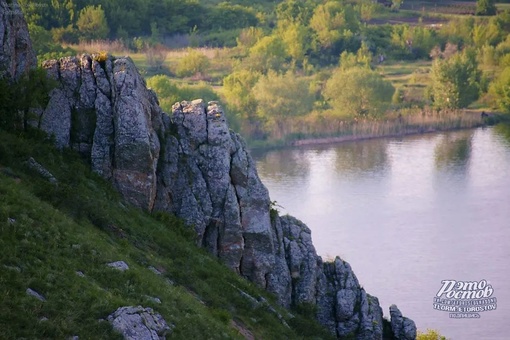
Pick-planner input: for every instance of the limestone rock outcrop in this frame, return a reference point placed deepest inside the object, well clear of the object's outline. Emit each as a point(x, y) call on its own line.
point(103, 109)
point(190, 164)
point(138, 323)
point(16, 53)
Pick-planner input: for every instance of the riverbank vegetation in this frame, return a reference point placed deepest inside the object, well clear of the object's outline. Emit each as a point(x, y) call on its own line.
point(290, 70)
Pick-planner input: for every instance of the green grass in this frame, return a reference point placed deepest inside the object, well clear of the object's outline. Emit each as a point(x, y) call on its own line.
point(49, 232)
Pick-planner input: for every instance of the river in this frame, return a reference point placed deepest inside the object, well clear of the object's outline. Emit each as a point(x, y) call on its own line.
point(408, 213)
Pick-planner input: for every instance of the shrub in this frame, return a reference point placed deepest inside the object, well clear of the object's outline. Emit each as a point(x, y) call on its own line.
point(193, 64)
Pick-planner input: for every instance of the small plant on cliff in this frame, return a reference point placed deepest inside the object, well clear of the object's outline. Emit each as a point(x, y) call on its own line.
point(431, 334)
point(100, 57)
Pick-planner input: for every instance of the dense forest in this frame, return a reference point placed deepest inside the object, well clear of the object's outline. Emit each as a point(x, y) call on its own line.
point(294, 69)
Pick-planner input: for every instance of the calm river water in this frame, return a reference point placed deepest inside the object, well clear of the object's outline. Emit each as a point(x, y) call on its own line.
point(407, 214)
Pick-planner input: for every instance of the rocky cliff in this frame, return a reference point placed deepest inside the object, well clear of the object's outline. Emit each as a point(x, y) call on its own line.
point(190, 164)
point(16, 54)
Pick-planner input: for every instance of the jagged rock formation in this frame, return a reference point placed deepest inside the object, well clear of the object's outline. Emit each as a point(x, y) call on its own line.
point(403, 328)
point(192, 165)
point(16, 54)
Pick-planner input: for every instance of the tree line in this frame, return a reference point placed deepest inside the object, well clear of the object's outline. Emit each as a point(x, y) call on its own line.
point(299, 60)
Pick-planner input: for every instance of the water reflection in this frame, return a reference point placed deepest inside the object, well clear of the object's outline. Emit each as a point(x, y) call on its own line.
point(357, 159)
point(452, 152)
point(503, 130)
point(408, 213)
point(282, 164)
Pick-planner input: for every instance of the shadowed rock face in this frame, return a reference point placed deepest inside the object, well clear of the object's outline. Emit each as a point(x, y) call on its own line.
point(190, 164)
point(16, 54)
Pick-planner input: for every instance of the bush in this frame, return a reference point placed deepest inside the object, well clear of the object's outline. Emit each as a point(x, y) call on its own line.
point(193, 64)
point(430, 335)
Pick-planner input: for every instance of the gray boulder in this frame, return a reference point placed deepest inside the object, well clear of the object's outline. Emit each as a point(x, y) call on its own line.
point(139, 323)
point(119, 265)
point(35, 294)
point(16, 54)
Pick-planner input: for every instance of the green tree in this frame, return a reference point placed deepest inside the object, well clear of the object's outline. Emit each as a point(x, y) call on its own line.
point(295, 11)
point(280, 95)
point(500, 90)
point(92, 23)
point(333, 21)
point(358, 91)
point(241, 103)
point(237, 91)
point(485, 7)
point(267, 54)
point(297, 40)
point(280, 98)
point(455, 81)
point(228, 16)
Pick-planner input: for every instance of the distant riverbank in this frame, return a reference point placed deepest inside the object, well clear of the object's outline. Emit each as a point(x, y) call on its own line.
point(352, 138)
point(397, 126)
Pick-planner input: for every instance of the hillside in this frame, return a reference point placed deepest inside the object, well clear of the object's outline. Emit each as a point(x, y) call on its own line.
point(57, 238)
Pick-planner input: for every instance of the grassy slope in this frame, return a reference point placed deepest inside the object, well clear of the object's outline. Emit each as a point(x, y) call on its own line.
point(80, 225)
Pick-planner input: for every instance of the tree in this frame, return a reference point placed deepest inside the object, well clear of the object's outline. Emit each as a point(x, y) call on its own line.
point(296, 38)
point(92, 23)
point(268, 53)
point(332, 21)
point(358, 91)
point(500, 90)
point(237, 93)
point(485, 7)
point(237, 90)
point(455, 81)
point(282, 95)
